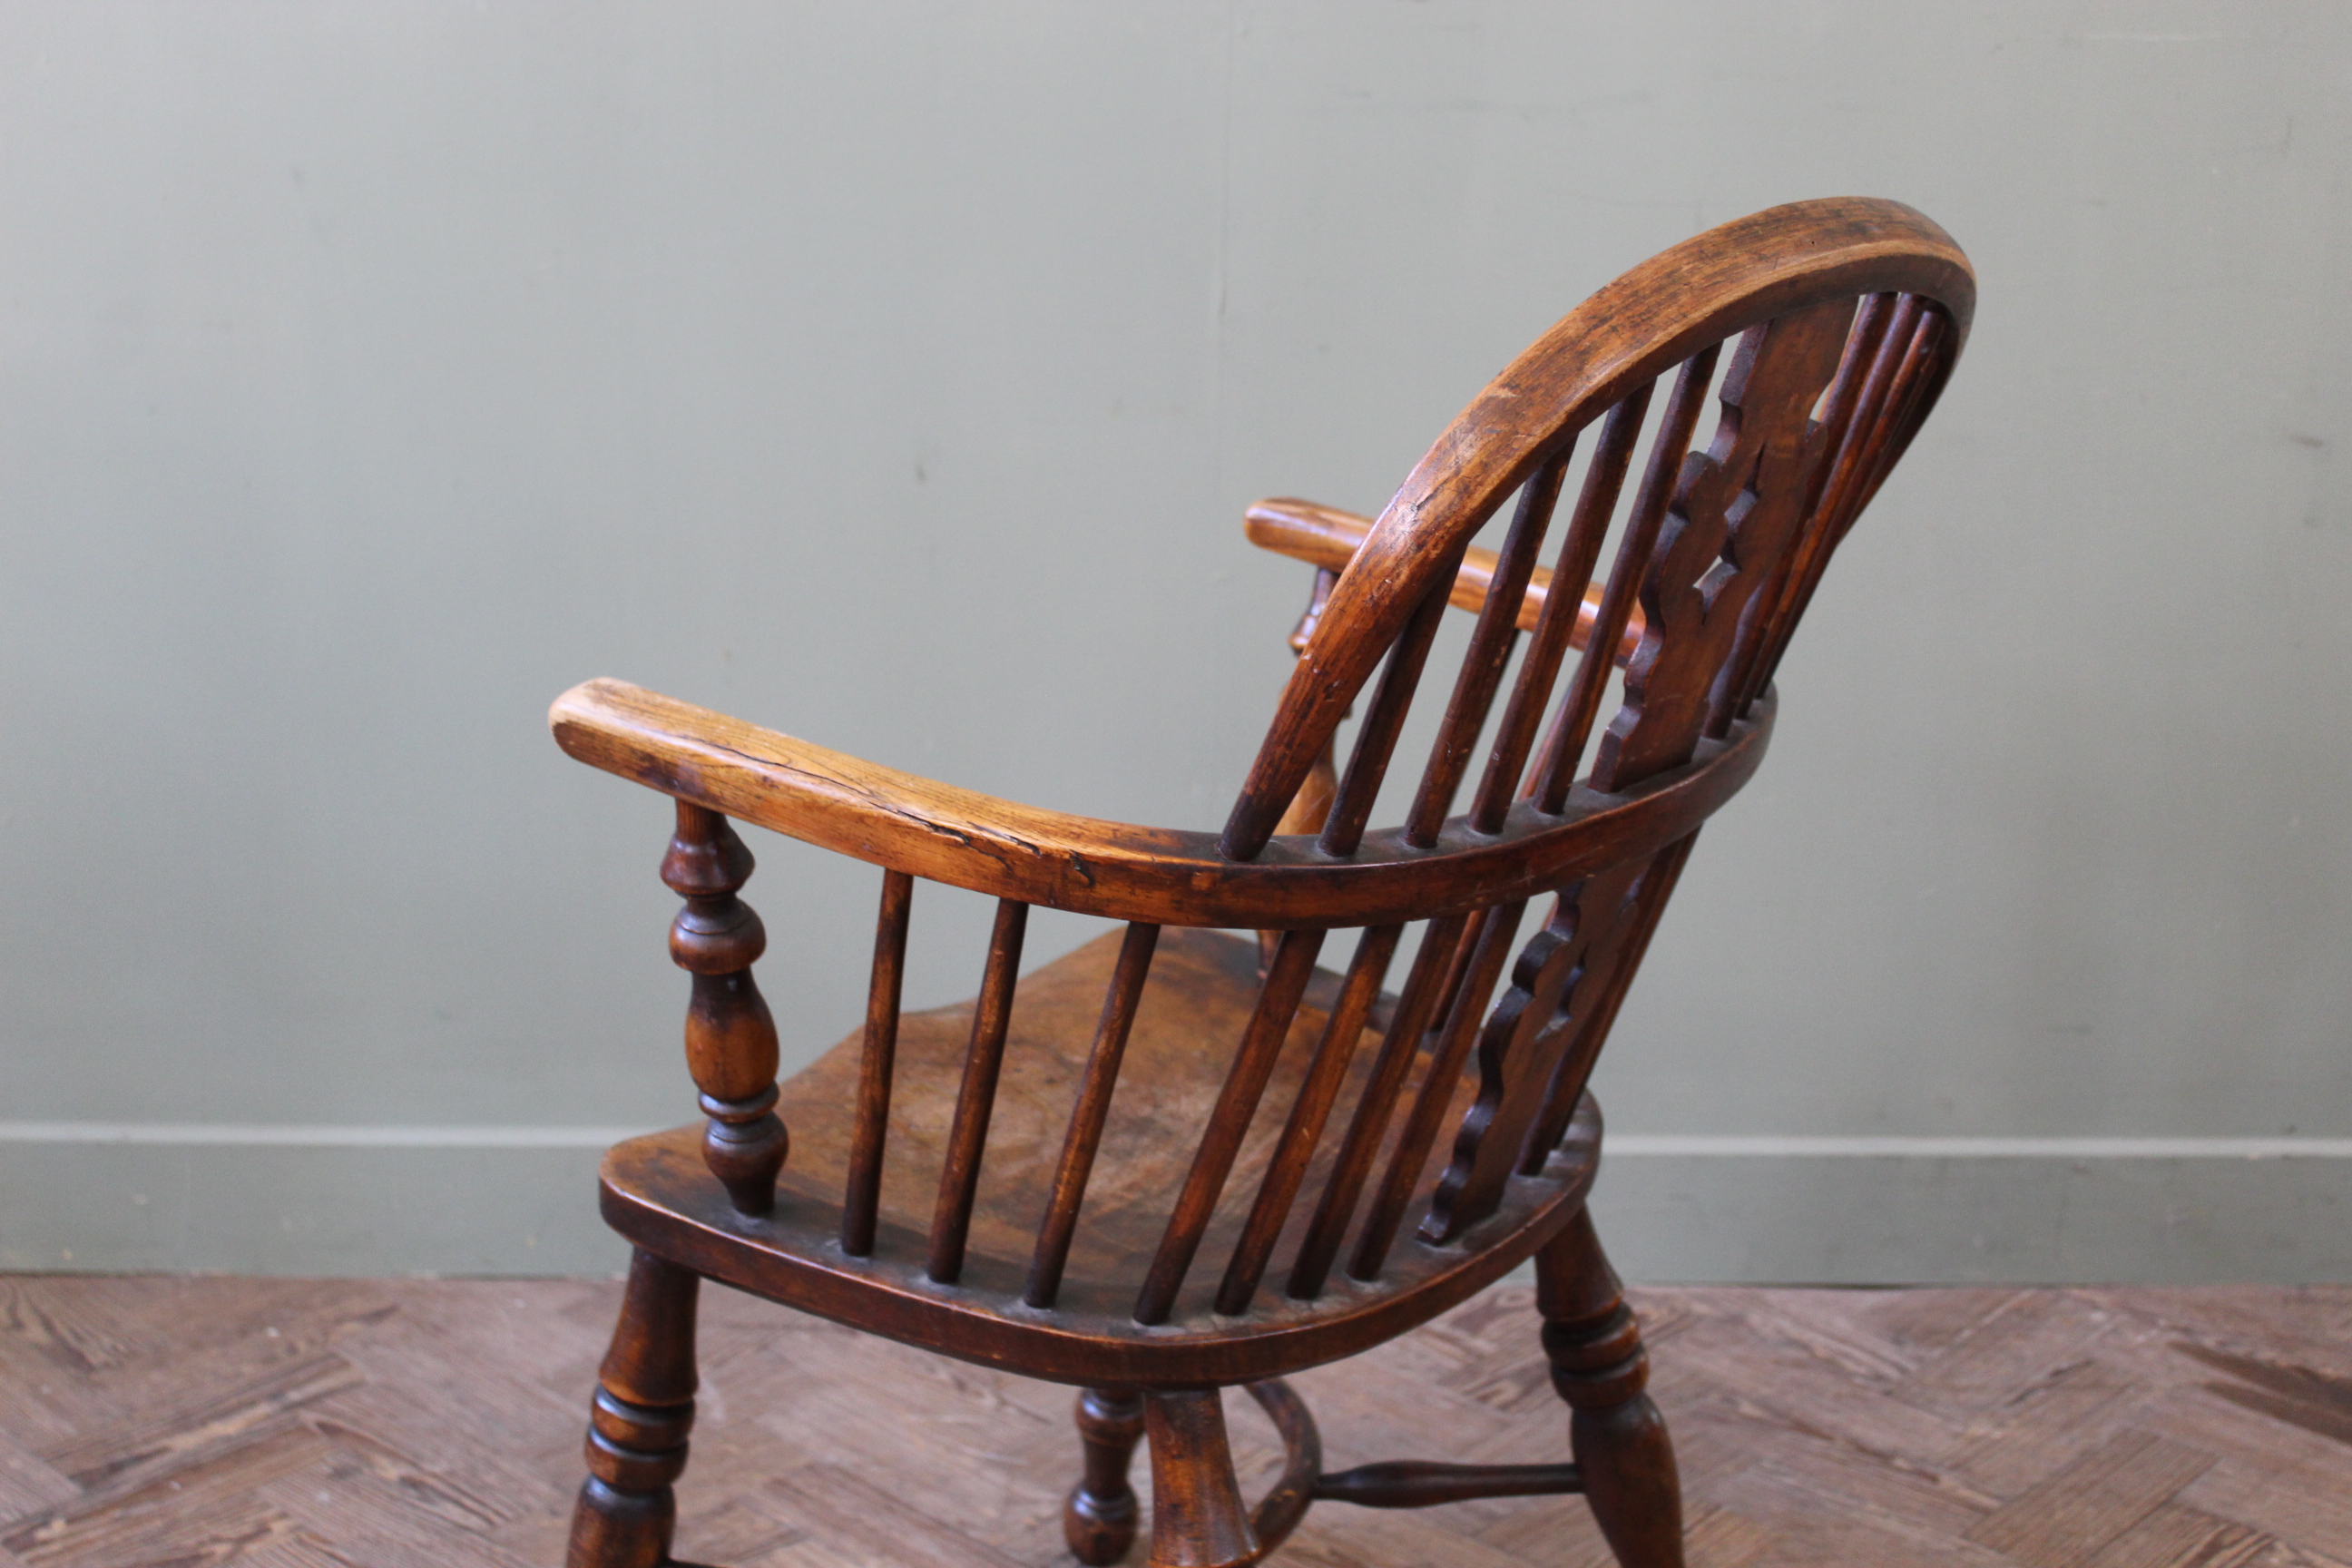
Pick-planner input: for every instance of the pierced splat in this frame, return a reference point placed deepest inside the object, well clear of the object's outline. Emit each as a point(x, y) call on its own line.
point(929, 1198)
point(1736, 513)
point(1559, 971)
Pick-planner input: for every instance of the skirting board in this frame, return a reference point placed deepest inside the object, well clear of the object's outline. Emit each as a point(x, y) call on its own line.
point(405, 1200)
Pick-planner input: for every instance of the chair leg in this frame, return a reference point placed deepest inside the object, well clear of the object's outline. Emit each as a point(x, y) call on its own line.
point(1599, 1367)
point(637, 1426)
point(1099, 1520)
point(1198, 1519)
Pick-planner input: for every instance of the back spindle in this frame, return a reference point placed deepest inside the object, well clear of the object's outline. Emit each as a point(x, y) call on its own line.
point(731, 1040)
point(1564, 609)
point(1213, 1161)
point(1376, 739)
point(1493, 933)
point(1490, 650)
point(1092, 1110)
point(1801, 564)
point(862, 1199)
point(1425, 989)
point(1310, 808)
point(1565, 749)
point(976, 1100)
point(1287, 1170)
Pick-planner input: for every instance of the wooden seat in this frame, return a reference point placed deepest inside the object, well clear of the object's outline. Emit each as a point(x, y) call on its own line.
point(1198, 1000)
point(1180, 1159)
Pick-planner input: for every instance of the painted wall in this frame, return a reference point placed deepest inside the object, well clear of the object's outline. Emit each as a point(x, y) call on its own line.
point(896, 375)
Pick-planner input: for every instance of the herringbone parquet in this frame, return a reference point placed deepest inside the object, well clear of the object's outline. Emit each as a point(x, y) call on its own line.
point(302, 1424)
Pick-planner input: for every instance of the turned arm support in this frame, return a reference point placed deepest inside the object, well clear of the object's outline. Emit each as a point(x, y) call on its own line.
point(1327, 537)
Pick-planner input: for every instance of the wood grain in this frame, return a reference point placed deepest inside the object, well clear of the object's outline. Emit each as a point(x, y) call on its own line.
point(1719, 548)
point(1327, 537)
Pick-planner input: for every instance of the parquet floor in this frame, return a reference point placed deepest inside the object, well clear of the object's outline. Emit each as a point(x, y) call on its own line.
point(302, 1424)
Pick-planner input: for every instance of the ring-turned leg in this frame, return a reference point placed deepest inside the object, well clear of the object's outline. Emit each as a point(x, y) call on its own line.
point(1099, 1520)
point(1197, 1516)
point(1599, 1367)
point(637, 1427)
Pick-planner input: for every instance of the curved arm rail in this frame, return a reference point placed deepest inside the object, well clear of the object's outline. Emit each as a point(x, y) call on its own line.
point(1326, 536)
point(1115, 869)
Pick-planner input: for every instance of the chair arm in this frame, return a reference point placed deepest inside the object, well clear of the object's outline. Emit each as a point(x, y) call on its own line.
point(1113, 868)
point(1324, 536)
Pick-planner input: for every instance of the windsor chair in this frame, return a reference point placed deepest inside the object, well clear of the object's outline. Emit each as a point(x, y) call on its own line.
point(1116, 1174)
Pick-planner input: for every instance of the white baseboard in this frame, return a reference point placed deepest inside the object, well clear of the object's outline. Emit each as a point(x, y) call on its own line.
point(281, 1199)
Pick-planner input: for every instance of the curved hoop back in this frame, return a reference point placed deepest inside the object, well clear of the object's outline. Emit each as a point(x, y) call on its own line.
point(1847, 315)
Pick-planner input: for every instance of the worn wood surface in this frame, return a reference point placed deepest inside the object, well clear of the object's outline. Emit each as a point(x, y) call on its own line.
point(1116, 869)
point(1329, 536)
point(1841, 320)
point(1148, 1203)
point(423, 1423)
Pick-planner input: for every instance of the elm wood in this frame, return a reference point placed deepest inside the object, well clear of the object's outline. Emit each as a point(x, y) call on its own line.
point(1575, 1069)
point(1120, 872)
point(1597, 1366)
point(1099, 1519)
point(1737, 509)
point(731, 1040)
point(1412, 1483)
point(1555, 631)
point(1376, 738)
point(1196, 1504)
point(637, 1426)
point(1326, 537)
point(1564, 748)
point(1213, 1163)
point(1695, 295)
point(1285, 1504)
point(1918, 383)
point(1201, 996)
point(1312, 807)
point(799, 1266)
point(1711, 534)
point(1438, 1088)
point(1892, 380)
point(1286, 1171)
point(1197, 1516)
point(1557, 978)
point(863, 1190)
point(976, 1100)
point(1083, 1141)
point(1401, 1043)
point(1840, 430)
point(1491, 645)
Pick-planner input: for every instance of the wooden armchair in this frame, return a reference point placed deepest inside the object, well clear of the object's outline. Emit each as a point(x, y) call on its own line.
point(1179, 1160)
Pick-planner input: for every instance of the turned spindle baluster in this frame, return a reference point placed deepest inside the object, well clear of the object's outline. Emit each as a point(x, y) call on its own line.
point(731, 1040)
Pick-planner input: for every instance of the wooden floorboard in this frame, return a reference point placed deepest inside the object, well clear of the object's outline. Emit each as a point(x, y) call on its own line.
point(175, 1423)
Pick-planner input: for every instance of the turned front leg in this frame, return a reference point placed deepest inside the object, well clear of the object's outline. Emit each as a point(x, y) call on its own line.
point(1599, 1367)
point(637, 1427)
point(730, 1039)
point(1099, 1520)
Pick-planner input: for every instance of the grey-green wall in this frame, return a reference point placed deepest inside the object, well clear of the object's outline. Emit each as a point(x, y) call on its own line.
point(896, 375)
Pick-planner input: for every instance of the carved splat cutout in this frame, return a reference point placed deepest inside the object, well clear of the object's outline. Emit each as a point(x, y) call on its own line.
point(1737, 510)
point(1530, 1031)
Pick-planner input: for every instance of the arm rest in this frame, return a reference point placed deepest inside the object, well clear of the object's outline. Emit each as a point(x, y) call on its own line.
point(1111, 868)
point(1326, 536)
